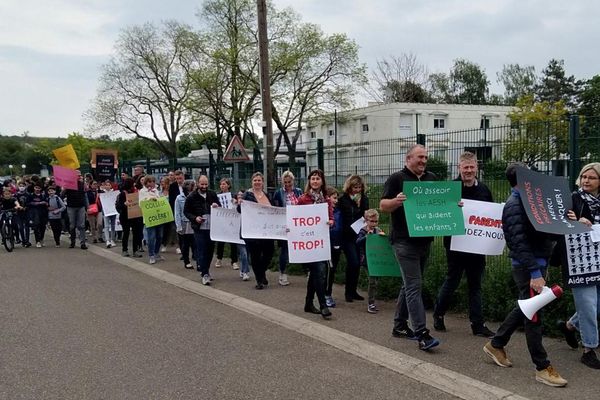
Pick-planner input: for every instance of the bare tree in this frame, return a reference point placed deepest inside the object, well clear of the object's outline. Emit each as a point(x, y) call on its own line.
point(400, 79)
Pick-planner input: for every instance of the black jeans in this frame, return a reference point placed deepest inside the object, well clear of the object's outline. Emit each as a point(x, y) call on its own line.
point(516, 318)
point(56, 226)
point(232, 251)
point(187, 242)
point(261, 252)
point(473, 265)
point(137, 228)
point(316, 282)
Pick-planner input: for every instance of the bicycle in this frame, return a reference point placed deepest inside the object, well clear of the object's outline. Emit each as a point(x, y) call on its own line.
point(8, 230)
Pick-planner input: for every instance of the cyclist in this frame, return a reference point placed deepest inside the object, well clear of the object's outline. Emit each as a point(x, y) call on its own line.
point(8, 203)
point(22, 217)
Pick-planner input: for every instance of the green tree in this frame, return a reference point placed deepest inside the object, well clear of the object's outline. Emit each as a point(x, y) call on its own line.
point(518, 81)
point(554, 85)
point(590, 97)
point(468, 83)
point(539, 131)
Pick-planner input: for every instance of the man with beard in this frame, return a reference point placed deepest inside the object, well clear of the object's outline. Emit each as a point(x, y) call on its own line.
point(197, 210)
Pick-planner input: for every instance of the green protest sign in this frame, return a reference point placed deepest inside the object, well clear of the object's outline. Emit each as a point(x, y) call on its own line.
point(431, 208)
point(156, 212)
point(380, 257)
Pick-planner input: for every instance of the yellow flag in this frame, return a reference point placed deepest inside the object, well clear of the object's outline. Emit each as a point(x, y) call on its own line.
point(66, 157)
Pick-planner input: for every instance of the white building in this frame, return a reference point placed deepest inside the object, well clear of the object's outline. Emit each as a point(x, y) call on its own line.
point(449, 129)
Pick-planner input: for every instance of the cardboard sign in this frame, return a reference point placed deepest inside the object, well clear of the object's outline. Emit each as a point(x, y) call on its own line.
point(308, 236)
point(133, 206)
point(66, 178)
point(226, 225)
point(547, 199)
point(483, 229)
point(226, 200)
point(381, 258)
point(156, 212)
point(583, 260)
point(66, 157)
point(431, 208)
point(263, 222)
point(108, 201)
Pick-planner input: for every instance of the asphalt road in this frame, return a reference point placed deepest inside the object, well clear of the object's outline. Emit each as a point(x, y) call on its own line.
point(74, 325)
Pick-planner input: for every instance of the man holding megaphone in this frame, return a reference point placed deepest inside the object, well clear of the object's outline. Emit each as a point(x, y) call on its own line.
point(529, 251)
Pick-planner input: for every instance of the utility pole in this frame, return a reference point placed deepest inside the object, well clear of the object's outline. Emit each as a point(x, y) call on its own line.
point(265, 90)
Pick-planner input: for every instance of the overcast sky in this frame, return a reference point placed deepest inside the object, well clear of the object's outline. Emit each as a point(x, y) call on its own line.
point(51, 51)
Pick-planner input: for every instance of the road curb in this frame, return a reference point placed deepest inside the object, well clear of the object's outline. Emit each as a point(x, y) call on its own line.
point(427, 373)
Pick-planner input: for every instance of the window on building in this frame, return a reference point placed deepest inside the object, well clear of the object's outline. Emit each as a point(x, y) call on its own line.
point(313, 135)
point(485, 123)
point(331, 133)
point(483, 153)
point(439, 123)
point(364, 125)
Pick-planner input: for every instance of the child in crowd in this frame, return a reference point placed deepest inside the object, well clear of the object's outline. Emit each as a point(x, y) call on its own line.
point(109, 220)
point(55, 209)
point(370, 228)
point(22, 216)
point(38, 213)
point(335, 233)
point(241, 248)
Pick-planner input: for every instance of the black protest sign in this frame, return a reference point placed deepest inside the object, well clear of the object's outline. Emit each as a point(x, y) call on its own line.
point(105, 167)
point(547, 199)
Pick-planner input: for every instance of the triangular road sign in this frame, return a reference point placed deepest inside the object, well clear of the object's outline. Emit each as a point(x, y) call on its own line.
point(236, 151)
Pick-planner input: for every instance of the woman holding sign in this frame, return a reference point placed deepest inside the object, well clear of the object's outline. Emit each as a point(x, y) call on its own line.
point(315, 194)
point(586, 209)
point(353, 204)
point(150, 193)
point(260, 250)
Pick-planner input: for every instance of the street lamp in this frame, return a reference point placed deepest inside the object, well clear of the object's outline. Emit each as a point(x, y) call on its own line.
point(23, 166)
point(10, 167)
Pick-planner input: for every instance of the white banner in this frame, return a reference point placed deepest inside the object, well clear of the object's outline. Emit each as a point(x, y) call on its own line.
point(358, 224)
point(225, 225)
point(108, 200)
point(226, 200)
point(483, 229)
point(263, 222)
point(308, 238)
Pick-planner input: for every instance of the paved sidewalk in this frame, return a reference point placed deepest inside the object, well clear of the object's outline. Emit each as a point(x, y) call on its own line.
point(459, 351)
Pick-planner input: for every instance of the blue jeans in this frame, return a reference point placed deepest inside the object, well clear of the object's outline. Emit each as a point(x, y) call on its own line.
point(412, 258)
point(154, 238)
point(77, 218)
point(109, 228)
point(587, 305)
point(243, 257)
point(205, 248)
point(283, 255)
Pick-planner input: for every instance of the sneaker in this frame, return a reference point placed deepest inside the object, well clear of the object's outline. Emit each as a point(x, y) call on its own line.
point(83, 246)
point(483, 331)
point(178, 251)
point(137, 254)
point(210, 277)
point(152, 260)
point(283, 280)
point(570, 335)
point(330, 302)
point(206, 280)
point(589, 359)
point(57, 245)
point(112, 243)
point(498, 355)
point(125, 253)
point(235, 266)
point(218, 263)
point(550, 377)
point(426, 341)
point(38, 245)
point(372, 309)
point(403, 332)
point(189, 266)
point(438, 323)
point(163, 249)
point(108, 244)
point(325, 313)
point(245, 276)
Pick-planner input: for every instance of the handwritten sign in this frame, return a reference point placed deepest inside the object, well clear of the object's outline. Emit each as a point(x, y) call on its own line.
point(583, 260)
point(263, 222)
point(66, 157)
point(156, 212)
point(108, 201)
point(547, 199)
point(432, 209)
point(64, 177)
point(133, 206)
point(308, 236)
point(226, 225)
point(226, 200)
point(381, 258)
point(358, 224)
point(483, 229)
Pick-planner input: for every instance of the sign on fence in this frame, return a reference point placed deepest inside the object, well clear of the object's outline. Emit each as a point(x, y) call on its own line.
point(156, 212)
point(483, 229)
point(263, 222)
point(432, 209)
point(226, 225)
point(308, 236)
point(381, 259)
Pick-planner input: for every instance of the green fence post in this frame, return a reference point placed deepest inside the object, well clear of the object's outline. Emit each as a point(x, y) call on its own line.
point(320, 155)
point(574, 163)
point(421, 139)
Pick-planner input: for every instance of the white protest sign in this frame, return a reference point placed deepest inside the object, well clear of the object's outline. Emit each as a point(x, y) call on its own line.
point(483, 229)
point(308, 238)
point(263, 222)
point(225, 225)
point(118, 226)
point(108, 200)
point(595, 233)
point(225, 200)
point(358, 224)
